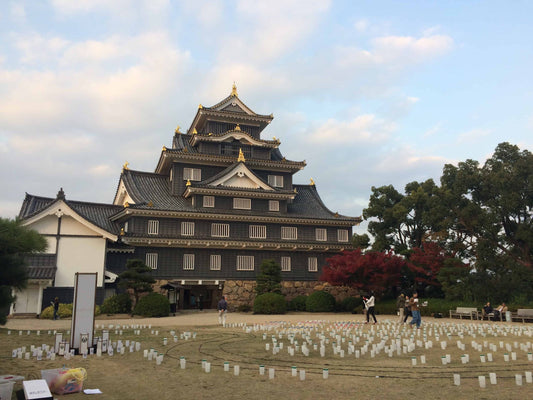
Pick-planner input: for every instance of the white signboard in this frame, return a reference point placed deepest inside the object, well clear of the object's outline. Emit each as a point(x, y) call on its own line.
point(83, 308)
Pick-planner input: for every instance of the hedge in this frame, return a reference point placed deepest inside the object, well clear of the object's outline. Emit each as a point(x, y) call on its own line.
point(152, 305)
point(320, 301)
point(64, 311)
point(117, 304)
point(270, 303)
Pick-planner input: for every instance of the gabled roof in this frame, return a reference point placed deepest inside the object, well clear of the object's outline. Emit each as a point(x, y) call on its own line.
point(235, 134)
point(183, 151)
point(238, 175)
point(309, 203)
point(151, 193)
point(94, 215)
point(232, 108)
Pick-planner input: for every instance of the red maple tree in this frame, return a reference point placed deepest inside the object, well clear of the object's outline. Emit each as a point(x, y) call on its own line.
point(372, 271)
point(425, 263)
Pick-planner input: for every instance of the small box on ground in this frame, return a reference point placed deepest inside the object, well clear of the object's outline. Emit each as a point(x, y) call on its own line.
point(36, 390)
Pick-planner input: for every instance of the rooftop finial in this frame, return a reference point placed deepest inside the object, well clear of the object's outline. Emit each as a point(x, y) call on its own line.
point(188, 182)
point(312, 182)
point(125, 166)
point(60, 194)
point(234, 89)
point(241, 156)
point(237, 128)
point(177, 129)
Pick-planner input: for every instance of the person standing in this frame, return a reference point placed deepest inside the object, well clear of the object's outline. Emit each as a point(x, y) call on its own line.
point(222, 310)
point(400, 305)
point(369, 306)
point(406, 310)
point(56, 308)
point(415, 310)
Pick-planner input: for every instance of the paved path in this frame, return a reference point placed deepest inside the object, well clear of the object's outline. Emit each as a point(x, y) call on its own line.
point(206, 318)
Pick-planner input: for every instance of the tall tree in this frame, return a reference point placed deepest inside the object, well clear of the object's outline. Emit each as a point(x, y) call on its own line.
point(137, 277)
point(16, 241)
point(269, 279)
point(401, 222)
point(492, 207)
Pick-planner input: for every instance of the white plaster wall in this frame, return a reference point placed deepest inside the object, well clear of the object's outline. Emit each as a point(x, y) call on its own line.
point(69, 226)
point(27, 300)
point(46, 225)
point(77, 254)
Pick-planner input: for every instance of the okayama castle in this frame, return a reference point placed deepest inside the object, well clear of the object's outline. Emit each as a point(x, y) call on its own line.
point(219, 202)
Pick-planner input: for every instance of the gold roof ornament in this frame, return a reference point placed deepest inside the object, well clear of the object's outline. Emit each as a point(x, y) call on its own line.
point(177, 129)
point(210, 134)
point(126, 205)
point(200, 106)
point(241, 156)
point(337, 214)
point(237, 128)
point(312, 182)
point(234, 89)
point(194, 131)
point(125, 166)
point(122, 233)
point(274, 138)
point(150, 204)
point(188, 182)
point(164, 148)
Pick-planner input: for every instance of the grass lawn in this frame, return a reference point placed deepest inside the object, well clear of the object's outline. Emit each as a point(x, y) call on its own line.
point(374, 375)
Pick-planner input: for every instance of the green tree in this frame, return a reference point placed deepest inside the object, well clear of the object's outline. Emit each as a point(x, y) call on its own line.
point(137, 277)
point(269, 279)
point(16, 241)
point(400, 222)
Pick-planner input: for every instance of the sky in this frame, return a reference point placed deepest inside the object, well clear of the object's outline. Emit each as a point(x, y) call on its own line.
point(368, 93)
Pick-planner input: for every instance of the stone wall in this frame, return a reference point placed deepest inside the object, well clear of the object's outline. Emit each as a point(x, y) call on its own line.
point(243, 292)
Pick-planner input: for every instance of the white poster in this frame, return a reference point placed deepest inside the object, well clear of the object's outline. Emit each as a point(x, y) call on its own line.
point(83, 308)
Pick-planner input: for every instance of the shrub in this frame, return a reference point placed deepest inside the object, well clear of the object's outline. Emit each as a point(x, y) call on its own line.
point(65, 311)
point(298, 303)
point(270, 303)
point(349, 304)
point(117, 304)
point(152, 305)
point(320, 301)
point(244, 308)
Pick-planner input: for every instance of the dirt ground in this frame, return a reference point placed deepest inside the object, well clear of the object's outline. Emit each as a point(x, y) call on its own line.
point(132, 376)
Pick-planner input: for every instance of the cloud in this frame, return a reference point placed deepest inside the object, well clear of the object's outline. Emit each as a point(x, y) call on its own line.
point(395, 51)
point(96, 85)
point(361, 25)
point(473, 135)
point(365, 128)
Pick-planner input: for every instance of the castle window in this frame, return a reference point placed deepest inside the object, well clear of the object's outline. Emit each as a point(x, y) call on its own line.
point(220, 230)
point(188, 261)
point(258, 232)
point(192, 174)
point(209, 201)
point(289, 232)
point(285, 264)
point(187, 228)
point(242, 204)
point(342, 235)
point(215, 262)
point(321, 234)
point(275, 180)
point(312, 264)
point(273, 205)
point(245, 263)
point(151, 260)
point(126, 226)
point(153, 227)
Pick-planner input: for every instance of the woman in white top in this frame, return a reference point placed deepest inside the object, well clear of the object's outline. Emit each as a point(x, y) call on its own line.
point(369, 306)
